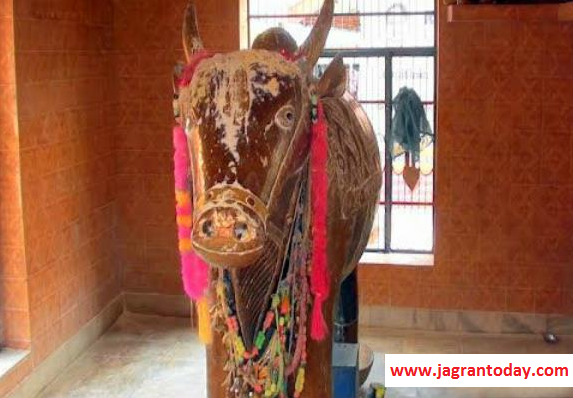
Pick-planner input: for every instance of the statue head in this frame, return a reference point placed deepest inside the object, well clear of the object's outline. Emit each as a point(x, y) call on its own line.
point(247, 119)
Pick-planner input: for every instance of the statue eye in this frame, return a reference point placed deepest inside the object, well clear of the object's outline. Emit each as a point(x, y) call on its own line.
point(285, 117)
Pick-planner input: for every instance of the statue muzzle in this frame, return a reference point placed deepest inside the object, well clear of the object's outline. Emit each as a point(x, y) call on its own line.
point(229, 227)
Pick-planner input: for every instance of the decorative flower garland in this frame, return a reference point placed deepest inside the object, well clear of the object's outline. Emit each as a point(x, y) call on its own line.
point(279, 350)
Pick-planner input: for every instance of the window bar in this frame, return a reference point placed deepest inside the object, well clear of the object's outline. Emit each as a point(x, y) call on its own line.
point(406, 203)
point(345, 14)
point(380, 52)
point(388, 155)
point(384, 101)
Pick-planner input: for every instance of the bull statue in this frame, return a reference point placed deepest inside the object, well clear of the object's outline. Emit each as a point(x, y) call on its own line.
point(284, 178)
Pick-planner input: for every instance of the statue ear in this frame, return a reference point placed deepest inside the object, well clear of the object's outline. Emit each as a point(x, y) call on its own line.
point(333, 81)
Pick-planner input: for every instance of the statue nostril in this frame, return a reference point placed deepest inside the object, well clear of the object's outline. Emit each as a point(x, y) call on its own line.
point(207, 228)
point(240, 230)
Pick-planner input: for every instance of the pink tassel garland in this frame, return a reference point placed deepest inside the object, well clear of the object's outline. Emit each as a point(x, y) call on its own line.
point(194, 270)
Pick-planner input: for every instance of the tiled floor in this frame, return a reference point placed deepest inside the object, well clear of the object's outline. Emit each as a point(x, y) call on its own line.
point(155, 357)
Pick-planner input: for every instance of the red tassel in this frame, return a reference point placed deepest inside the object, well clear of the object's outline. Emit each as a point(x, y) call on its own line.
point(192, 66)
point(320, 277)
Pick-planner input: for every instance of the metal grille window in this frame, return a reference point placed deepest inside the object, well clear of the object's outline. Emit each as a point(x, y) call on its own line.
point(387, 45)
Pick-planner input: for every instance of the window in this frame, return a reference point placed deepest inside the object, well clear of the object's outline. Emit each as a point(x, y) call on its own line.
point(387, 45)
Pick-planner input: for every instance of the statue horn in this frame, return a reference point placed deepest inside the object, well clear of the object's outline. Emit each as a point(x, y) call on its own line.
point(191, 39)
point(314, 44)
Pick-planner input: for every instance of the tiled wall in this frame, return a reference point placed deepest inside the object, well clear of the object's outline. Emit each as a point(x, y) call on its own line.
point(65, 106)
point(66, 94)
point(14, 316)
point(148, 44)
point(504, 175)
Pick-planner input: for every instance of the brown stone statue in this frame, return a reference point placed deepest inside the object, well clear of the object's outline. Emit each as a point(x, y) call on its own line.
point(249, 117)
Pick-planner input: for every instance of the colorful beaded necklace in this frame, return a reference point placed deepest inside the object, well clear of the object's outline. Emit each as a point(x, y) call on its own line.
point(279, 350)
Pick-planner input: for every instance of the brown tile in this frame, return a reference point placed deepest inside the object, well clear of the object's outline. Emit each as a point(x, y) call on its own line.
point(521, 300)
point(13, 261)
point(549, 301)
point(486, 299)
point(14, 294)
point(16, 327)
point(404, 295)
point(441, 297)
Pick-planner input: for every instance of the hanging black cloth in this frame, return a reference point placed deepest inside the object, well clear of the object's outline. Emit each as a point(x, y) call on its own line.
point(410, 127)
